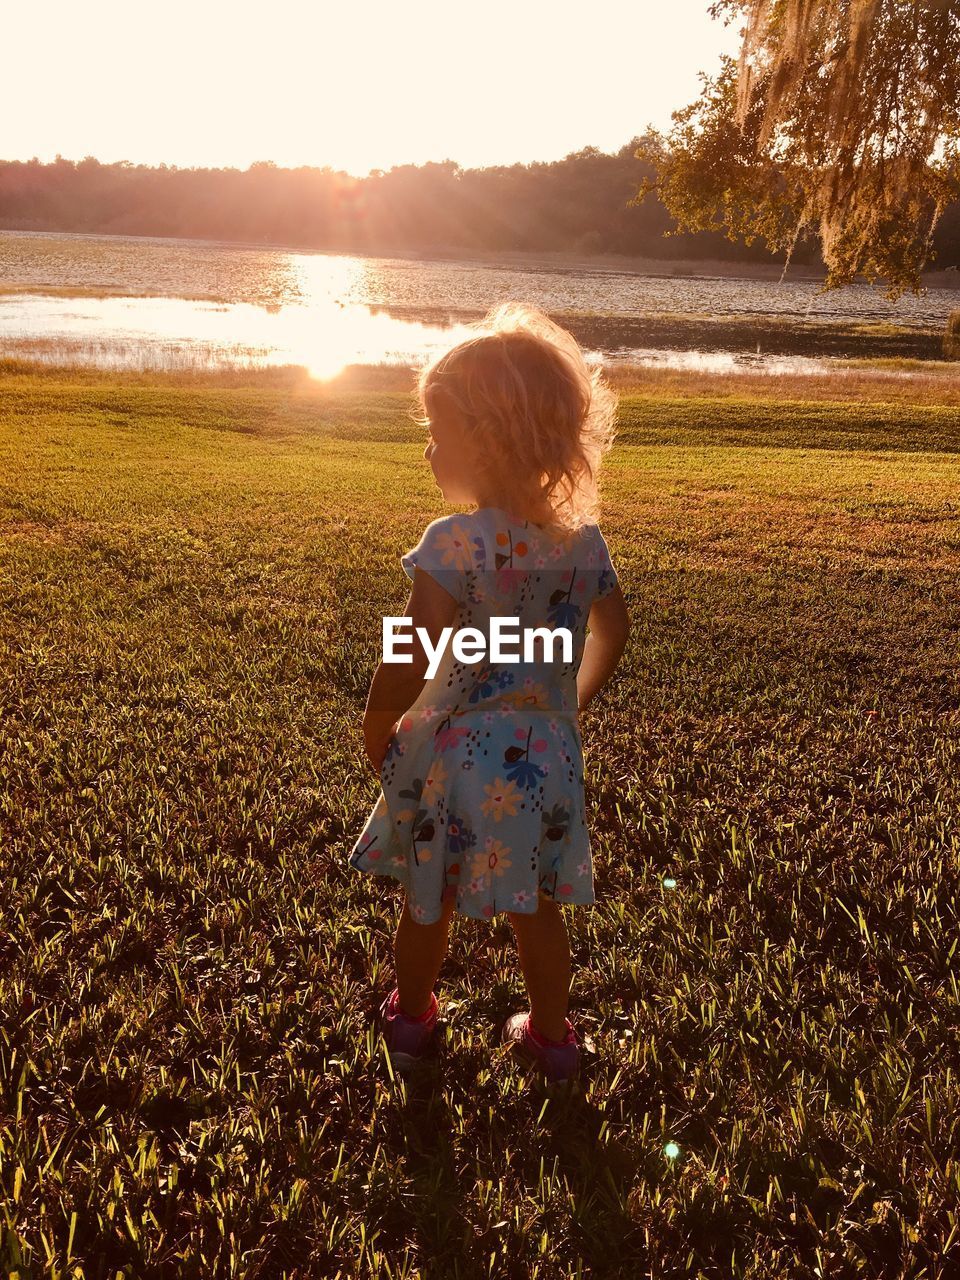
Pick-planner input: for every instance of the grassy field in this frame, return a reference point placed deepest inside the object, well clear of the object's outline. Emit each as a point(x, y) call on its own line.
point(193, 574)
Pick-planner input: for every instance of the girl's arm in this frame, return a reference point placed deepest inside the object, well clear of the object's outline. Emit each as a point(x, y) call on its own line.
point(609, 625)
point(396, 686)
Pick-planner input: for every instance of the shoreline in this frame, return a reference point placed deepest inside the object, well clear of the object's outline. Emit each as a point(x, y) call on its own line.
point(880, 382)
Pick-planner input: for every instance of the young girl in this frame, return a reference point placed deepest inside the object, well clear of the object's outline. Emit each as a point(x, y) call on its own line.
point(481, 766)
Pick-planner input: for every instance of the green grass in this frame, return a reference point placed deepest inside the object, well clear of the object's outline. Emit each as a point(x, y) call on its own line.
point(192, 581)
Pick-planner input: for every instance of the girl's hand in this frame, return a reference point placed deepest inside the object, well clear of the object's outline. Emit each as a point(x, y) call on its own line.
point(376, 742)
point(394, 690)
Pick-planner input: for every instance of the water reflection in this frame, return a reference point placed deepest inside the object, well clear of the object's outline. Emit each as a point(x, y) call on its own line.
point(320, 279)
point(180, 304)
point(323, 338)
point(158, 266)
point(175, 333)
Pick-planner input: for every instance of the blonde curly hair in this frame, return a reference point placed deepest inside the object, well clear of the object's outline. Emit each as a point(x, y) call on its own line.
point(540, 418)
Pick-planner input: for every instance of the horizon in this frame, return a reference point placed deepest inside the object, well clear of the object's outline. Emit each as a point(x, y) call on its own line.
point(236, 94)
point(77, 160)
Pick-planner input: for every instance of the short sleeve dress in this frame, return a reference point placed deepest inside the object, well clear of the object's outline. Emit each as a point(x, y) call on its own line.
point(482, 788)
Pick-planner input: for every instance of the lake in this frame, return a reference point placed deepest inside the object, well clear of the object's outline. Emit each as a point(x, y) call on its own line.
point(187, 304)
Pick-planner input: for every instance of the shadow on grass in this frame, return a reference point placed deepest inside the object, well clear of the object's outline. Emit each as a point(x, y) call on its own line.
point(544, 1177)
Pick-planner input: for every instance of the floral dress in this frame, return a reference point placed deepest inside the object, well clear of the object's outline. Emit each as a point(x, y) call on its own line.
point(482, 784)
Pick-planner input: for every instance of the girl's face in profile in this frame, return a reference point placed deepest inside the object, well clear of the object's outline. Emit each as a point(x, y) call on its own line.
point(448, 449)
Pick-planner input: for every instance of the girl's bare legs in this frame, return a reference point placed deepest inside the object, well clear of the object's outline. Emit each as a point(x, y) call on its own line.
point(419, 950)
point(544, 951)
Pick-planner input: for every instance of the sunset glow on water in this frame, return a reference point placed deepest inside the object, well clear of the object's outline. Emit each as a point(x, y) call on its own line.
point(146, 302)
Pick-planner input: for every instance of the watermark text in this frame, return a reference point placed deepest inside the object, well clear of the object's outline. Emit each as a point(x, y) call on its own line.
point(469, 644)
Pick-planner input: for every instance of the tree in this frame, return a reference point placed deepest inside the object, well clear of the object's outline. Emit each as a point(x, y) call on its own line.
point(841, 119)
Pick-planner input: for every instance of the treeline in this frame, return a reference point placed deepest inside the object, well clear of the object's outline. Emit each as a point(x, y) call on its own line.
point(579, 204)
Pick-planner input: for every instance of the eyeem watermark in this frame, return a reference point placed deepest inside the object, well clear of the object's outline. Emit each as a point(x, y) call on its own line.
point(470, 643)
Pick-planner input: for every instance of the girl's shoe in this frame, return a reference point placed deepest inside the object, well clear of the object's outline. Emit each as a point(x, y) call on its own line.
point(559, 1061)
point(407, 1038)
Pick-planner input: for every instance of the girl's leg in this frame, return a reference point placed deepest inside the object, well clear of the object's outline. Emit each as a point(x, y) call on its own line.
point(418, 951)
point(544, 951)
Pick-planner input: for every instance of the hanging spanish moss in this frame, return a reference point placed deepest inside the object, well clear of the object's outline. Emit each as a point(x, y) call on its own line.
point(849, 110)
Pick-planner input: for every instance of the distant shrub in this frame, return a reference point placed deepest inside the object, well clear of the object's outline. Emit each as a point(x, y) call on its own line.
point(951, 338)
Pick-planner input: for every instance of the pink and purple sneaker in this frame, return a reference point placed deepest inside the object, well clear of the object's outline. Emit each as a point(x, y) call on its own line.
point(407, 1038)
point(558, 1060)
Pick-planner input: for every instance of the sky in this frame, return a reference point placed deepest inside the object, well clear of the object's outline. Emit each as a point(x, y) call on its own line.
point(354, 84)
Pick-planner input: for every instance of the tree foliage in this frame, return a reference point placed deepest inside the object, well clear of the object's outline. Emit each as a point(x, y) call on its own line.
point(580, 204)
point(840, 119)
